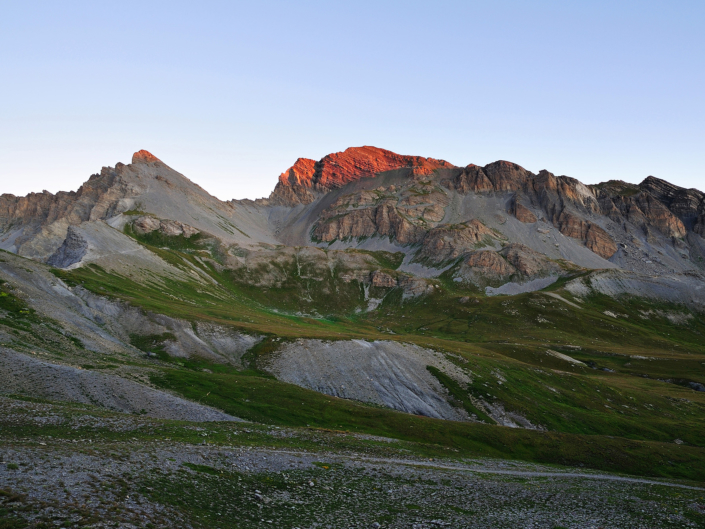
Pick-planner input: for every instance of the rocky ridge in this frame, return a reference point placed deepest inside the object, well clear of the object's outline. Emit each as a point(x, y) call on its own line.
point(366, 197)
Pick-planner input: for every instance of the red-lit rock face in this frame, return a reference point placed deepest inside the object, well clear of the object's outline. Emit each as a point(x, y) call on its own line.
point(340, 168)
point(144, 157)
point(301, 173)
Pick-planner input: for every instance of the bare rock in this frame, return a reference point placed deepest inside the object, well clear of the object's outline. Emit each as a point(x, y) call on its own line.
point(144, 157)
point(148, 224)
point(488, 263)
point(72, 250)
point(521, 212)
point(594, 237)
point(338, 169)
point(414, 286)
point(450, 241)
point(528, 262)
point(699, 227)
point(382, 279)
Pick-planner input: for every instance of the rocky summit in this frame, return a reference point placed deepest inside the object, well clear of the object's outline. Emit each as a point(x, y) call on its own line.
point(385, 341)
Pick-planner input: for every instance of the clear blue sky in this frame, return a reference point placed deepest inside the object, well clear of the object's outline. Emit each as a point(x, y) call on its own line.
point(231, 93)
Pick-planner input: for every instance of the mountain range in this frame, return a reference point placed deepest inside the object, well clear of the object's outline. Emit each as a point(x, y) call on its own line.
point(476, 310)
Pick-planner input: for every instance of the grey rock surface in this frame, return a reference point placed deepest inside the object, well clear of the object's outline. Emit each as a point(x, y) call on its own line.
point(23, 374)
point(104, 325)
point(71, 251)
point(386, 373)
point(687, 289)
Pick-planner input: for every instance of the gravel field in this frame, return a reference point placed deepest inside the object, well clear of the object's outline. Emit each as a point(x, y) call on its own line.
point(241, 487)
point(49, 481)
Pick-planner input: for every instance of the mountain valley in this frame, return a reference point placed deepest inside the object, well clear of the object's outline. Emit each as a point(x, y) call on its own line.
point(380, 322)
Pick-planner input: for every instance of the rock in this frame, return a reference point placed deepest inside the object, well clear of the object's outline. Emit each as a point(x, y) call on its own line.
point(338, 169)
point(697, 386)
point(521, 212)
point(72, 250)
point(592, 235)
point(447, 242)
point(488, 263)
point(382, 279)
point(497, 176)
point(414, 286)
point(383, 219)
point(148, 224)
point(529, 262)
point(144, 157)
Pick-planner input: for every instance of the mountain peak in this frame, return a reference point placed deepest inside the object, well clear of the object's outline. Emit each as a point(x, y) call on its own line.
point(144, 157)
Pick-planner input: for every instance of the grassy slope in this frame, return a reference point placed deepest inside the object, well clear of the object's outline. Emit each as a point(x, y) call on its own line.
point(502, 340)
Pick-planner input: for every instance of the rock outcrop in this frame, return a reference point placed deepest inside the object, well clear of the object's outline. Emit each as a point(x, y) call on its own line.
point(528, 262)
point(401, 213)
point(144, 157)
point(488, 264)
point(73, 249)
point(450, 241)
point(371, 199)
point(147, 224)
point(591, 234)
point(521, 212)
point(513, 262)
point(382, 280)
point(298, 184)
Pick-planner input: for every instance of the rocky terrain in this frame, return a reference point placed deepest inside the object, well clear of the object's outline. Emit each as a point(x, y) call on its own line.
point(240, 476)
point(22, 374)
point(375, 313)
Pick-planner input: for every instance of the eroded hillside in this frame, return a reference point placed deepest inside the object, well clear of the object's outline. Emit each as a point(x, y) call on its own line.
point(484, 310)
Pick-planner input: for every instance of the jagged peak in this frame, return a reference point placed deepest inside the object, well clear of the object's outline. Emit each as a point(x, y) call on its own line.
point(143, 156)
point(339, 168)
point(301, 173)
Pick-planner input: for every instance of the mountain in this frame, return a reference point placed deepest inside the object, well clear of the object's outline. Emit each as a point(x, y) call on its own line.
point(373, 298)
point(370, 199)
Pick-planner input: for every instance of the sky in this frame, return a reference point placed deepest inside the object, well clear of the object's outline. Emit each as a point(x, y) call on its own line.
point(232, 93)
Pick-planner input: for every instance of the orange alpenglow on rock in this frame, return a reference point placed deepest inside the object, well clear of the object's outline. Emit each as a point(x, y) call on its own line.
point(340, 168)
point(144, 157)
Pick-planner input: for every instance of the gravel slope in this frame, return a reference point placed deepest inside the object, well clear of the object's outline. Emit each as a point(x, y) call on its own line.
point(386, 373)
point(22, 374)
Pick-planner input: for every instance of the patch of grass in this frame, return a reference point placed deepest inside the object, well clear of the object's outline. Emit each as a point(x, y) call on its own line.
point(153, 343)
point(460, 396)
point(273, 402)
point(205, 469)
point(389, 260)
point(159, 240)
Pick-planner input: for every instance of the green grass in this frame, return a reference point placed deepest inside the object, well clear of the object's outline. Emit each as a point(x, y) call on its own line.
point(507, 335)
point(272, 402)
point(459, 395)
point(153, 343)
point(158, 239)
point(389, 260)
